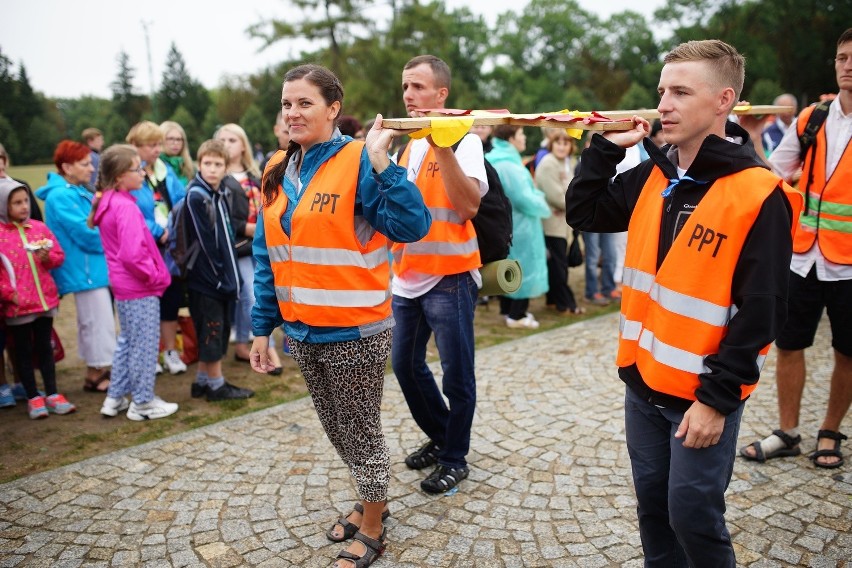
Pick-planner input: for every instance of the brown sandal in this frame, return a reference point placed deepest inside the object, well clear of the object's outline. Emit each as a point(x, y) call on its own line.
point(372, 550)
point(95, 385)
point(349, 529)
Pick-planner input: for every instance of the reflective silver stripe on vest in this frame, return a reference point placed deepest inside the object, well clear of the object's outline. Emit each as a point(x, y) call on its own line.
point(333, 298)
point(691, 307)
point(629, 329)
point(339, 257)
point(442, 248)
point(670, 355)
point(279, 253)
point(676, 302)
point(637, 279)
point(761, 359)
point(446, 215)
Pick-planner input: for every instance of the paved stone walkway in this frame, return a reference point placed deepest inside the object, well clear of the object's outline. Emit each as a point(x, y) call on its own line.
point(550, 482)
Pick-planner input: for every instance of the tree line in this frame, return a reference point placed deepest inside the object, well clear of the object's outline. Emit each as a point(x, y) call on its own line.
point(549, 55)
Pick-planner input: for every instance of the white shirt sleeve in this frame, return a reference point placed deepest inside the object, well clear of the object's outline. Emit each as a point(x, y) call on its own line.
point(785, 158)
point(470, 158)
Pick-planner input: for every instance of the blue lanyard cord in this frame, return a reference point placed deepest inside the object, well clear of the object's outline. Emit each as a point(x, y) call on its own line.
point(675, 181)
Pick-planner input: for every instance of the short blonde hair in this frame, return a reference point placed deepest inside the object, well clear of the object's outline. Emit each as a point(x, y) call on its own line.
point(247, 159)
point(145, 132)
point(727, 63)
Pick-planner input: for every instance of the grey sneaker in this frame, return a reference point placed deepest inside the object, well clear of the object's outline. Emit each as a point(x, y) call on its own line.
point(172, 362)
point(151, 410)
point(113, 406)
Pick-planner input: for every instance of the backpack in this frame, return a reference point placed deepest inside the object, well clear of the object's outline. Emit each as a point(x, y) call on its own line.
point(182, 248)
point(815, 120)
point(807, 143)
point(493, 221)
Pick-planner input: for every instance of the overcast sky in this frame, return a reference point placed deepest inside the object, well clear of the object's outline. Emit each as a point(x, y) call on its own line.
point(69, 48)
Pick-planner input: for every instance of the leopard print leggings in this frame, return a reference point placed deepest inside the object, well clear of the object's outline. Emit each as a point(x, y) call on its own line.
point(346, 380)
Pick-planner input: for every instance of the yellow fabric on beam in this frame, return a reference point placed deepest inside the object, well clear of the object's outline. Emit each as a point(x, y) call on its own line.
point(445, 130)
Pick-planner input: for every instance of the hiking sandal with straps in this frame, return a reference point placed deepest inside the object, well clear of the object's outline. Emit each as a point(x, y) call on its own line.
point(349, 529)
point(372, 550)
point(837, 437)
point(791, 448)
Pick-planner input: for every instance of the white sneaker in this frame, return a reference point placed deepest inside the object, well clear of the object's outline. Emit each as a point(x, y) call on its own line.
point(526, 322)
point(159, 369)
point(233, 337)
point(112, 406)
point(172, 362)
point(155, 408)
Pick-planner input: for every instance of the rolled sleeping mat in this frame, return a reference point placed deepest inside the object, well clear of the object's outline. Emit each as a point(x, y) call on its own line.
point(500, 277)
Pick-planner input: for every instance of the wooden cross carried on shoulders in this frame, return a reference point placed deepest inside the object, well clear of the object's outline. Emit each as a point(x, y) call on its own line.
point(594, 120)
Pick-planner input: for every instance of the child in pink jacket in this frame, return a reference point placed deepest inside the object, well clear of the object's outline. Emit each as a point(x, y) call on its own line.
point(29, 296)
point(138, 277)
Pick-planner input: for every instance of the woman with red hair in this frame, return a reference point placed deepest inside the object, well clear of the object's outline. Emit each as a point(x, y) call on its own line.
point(67, 201)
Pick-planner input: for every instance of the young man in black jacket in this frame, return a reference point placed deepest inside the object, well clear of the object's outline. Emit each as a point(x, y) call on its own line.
point(213, 281)
point(705, 286)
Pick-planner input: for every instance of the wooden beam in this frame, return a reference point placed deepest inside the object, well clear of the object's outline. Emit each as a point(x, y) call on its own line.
point(619, 118)
point(426, 122)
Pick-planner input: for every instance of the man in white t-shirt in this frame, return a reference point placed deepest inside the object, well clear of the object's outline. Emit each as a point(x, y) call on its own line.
point(435, 285)
point(820, 273)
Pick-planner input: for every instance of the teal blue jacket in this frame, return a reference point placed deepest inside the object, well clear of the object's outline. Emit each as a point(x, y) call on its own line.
point(529, 207)
point(66, 208)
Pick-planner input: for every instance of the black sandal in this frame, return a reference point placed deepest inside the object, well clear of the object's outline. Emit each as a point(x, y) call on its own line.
point(350, 529)
point(372, 550)
point(837, 437)
point(791, 449)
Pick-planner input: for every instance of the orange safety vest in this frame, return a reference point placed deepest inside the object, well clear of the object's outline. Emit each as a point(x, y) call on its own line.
point(323, 274)
point(450, 246)
point(673, 318)
point(828, 217)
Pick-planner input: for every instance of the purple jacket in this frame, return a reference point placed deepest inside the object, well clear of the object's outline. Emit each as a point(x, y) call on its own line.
point(136, 268)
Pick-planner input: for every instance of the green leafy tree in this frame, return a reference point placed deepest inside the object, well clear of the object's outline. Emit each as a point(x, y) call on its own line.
point(211, 123)
point(802, 61)
point(331, 23)
point(636, 97)
point(125, 101)
point(233, 98)
point(258, 127)
point(82, 113)
point(178, 88)
point(539, 54)
point(763, 92)
point(9, 138)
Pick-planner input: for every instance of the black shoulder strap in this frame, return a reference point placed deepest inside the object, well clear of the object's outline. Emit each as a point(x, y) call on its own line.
point(815, 121)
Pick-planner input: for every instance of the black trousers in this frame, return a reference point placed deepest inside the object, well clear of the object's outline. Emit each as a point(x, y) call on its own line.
point(34, 338)
point(559, 294)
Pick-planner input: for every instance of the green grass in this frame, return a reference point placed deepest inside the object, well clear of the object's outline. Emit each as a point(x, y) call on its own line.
point(35, 176)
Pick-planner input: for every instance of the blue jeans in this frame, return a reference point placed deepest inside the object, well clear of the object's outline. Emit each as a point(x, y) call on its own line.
point(680, 491)
point(242, 315)
point(599, 247)
point(447, 310)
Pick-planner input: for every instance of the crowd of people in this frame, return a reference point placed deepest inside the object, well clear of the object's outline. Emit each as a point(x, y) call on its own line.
point(105, 239)
point(691, 224)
